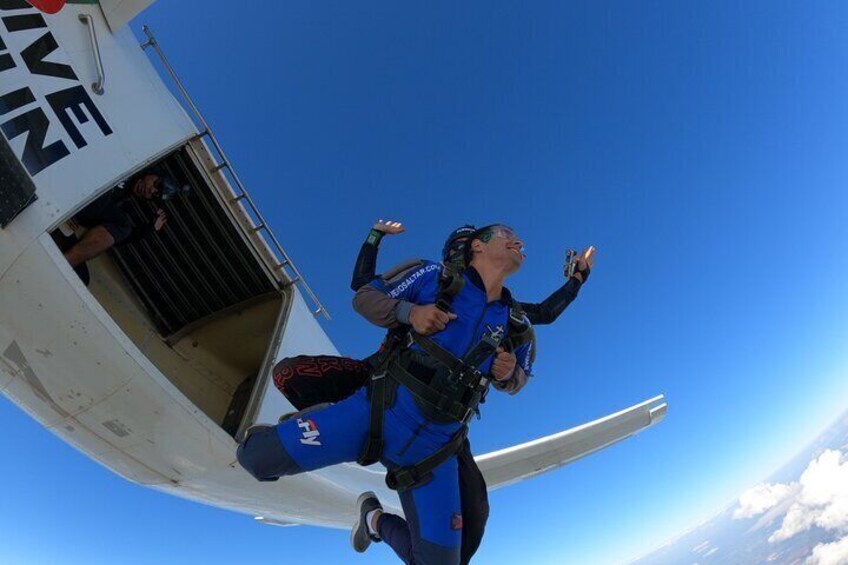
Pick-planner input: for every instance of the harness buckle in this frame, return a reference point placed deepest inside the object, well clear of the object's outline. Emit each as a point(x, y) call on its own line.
point(469, 413)
point(404, 478)
point(518, 317)
point(494, 336)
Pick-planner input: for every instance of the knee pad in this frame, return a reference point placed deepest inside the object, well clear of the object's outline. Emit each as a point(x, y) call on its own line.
point(262, 455)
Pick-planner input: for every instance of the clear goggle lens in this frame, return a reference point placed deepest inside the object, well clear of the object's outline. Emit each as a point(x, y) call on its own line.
point(509, 235)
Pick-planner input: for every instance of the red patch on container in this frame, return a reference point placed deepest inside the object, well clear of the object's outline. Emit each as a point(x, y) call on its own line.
point(47, 6)
point(456, 522)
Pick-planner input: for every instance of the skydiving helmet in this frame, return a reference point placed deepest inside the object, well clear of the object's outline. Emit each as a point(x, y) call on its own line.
point(454, 249)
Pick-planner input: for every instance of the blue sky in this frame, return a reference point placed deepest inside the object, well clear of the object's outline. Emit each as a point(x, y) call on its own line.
point(700, 148)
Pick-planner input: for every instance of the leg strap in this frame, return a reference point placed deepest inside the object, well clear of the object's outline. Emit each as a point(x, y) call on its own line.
point(373, 448)
point(405, 478)
point(381, 396)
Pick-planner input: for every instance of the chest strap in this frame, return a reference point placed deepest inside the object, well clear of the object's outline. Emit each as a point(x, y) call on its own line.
point(442, 403)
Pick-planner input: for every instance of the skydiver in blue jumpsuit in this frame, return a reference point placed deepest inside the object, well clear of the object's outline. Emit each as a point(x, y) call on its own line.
point(413, 429)
point(339, 377)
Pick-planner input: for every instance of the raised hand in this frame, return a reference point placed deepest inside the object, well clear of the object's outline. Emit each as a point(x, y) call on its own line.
point(389, 227)
point(586, 259)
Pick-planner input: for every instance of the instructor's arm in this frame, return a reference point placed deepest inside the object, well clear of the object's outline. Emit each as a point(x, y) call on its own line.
point(365, 269)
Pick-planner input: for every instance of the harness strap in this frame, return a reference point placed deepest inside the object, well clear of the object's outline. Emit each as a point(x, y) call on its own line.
point(373, 448)
point(466, 366)
point(440, 402)
point(404, 478)
point(483, 349)
point(517, 339)
point(451, 282)
point(520, 329)
point(436, 351)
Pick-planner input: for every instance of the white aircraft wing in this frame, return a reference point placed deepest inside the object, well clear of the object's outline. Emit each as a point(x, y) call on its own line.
point(520, 462)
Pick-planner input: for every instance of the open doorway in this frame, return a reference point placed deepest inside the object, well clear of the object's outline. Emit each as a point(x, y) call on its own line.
point(193, 296)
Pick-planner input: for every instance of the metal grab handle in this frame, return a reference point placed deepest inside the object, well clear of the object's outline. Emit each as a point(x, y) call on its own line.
point(97, 87)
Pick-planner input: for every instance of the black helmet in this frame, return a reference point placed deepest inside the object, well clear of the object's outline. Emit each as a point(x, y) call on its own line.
point(455, 244)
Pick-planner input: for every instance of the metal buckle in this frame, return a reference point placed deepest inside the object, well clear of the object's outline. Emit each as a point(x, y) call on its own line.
point(494, 337)
point(476, 375)
point(469, 413)
point(518, 316)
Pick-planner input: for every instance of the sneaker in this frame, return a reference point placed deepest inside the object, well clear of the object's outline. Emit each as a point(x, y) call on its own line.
point(360, 536)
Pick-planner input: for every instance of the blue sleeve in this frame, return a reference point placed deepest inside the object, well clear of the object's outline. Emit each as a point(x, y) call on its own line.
point(409, 285)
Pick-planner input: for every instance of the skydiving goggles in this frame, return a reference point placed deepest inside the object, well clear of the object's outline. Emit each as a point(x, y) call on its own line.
point(504, 232)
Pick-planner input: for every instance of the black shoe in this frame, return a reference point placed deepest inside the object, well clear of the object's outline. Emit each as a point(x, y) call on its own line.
point(360, 537)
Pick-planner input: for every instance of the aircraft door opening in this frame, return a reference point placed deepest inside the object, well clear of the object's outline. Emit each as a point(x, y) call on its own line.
point(192, 296)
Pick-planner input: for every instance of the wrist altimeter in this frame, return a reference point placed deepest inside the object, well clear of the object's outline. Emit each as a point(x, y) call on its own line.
point(374, 237)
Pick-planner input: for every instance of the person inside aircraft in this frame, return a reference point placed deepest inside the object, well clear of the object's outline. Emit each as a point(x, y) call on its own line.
point(108, 223)
point(430, 386)
point(339, 376)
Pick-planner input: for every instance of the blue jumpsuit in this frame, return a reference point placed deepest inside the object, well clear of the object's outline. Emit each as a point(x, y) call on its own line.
point(313, 439)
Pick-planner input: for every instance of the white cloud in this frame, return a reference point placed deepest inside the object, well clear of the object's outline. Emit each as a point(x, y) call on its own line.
point(770, 519)
point(835, 553)
point(822, 500)
point(798, 519)
point(760, 498)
